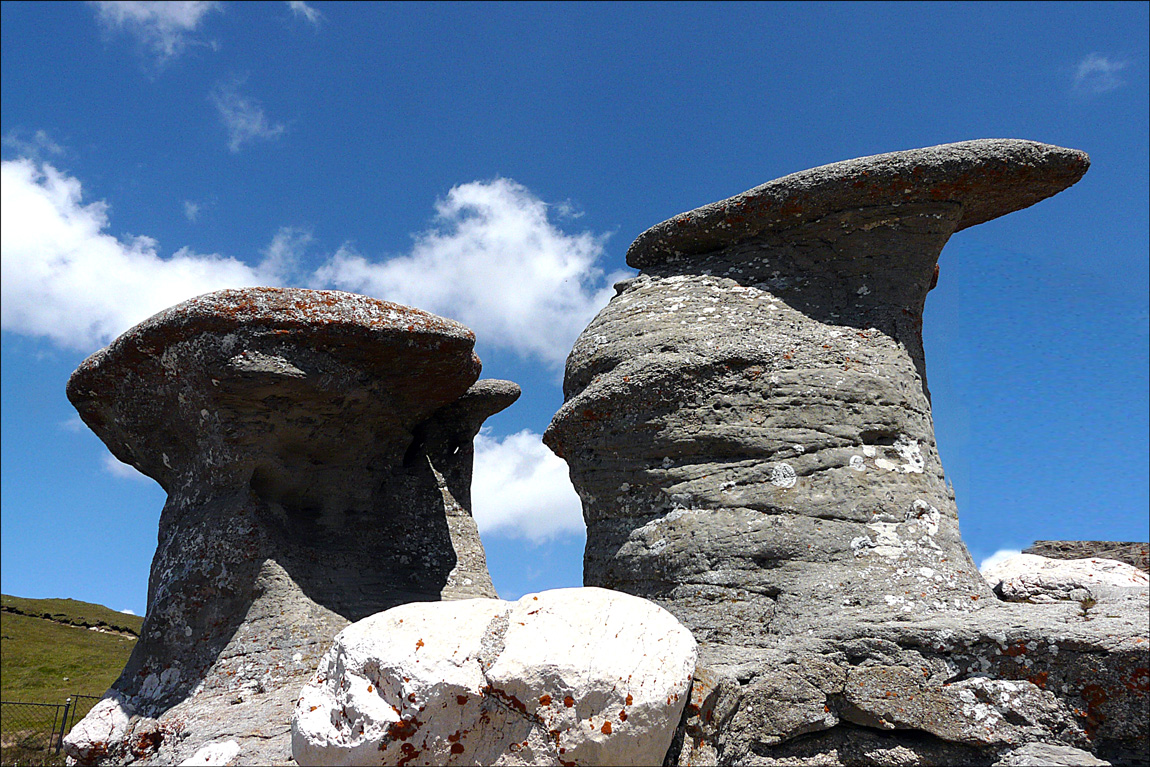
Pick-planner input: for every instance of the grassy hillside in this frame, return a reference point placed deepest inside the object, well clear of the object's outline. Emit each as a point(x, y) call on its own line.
point(44, 660)
point(48, 659)
point(72, 612)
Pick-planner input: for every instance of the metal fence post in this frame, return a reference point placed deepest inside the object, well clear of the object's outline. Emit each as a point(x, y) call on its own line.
point(63, 725)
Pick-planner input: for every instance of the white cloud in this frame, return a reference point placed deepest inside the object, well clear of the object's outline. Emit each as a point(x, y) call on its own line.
point(74, 425)
point(63, 277)
point(521, 489)
point(496, 263)
point(113, 466)
point(163, 27)
point(243, 116)
point(284, 254)
point(37, 145)
point(999, 556)
point(128, 612)
point(191, 210)
point(299, 8)
point(1098, 74)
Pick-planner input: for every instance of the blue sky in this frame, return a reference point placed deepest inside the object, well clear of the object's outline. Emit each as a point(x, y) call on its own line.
point(493, 162)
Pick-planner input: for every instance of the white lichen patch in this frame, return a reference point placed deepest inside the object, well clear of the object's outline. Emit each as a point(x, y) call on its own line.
point(857, 464)
point(783, 475)
point(907, 451)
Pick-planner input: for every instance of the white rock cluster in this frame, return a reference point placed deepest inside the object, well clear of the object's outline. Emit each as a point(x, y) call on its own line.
point(1031, 578)
point(101, 732)
point(566, 677)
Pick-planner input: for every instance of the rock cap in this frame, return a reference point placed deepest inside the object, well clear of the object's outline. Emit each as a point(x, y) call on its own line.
point(988, 177)
point(223, 344)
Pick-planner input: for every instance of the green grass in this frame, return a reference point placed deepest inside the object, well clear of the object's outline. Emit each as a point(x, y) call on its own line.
point(71, 611)
point(47, 660)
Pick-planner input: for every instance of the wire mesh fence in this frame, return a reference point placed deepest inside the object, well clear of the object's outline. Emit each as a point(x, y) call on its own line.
point(33, 733)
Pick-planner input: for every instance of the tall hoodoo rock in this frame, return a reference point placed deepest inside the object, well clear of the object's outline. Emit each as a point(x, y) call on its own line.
point(749, 418)
point(316, 448)
point(748, 425)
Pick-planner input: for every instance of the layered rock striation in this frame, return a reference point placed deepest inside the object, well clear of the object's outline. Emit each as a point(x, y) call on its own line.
point(748, 425)
point(316, 448)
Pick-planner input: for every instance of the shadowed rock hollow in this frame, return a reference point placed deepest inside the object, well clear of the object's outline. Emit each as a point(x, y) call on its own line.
point(316, 448)
point(748, 425)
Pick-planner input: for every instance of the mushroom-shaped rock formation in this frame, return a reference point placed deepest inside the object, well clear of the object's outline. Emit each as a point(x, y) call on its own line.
point(749, 428)
point(316, 448)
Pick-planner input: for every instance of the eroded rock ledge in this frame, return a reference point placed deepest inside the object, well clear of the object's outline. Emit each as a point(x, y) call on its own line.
point(748, 425)
point(316, 448)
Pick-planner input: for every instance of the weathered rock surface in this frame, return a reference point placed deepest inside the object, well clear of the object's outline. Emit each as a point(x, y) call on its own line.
point(1031, 578)
point(571, 676)
point(1131, 552)
point(748, 425)
point(316, 451)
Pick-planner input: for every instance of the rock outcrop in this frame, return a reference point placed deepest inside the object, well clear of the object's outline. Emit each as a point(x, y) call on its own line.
point(1035, 579)
point(748, 425)
point(1131, 552)
point(316, 448)
point(565, 677)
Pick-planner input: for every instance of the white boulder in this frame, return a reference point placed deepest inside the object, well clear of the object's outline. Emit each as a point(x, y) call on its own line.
point(101, 733)
point(1031, 578)
point(572, 676)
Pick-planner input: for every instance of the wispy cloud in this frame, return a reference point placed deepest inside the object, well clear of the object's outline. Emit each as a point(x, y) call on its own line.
point(165, 29)
point(74, 425)
point(63, 277)
point(284, 254)
point(119, 470)
point(496, 262)
point(300, 8)
point(1098, 74)
point(522, 490)
point(191, 210)
point(243, 116)
point(39, 145)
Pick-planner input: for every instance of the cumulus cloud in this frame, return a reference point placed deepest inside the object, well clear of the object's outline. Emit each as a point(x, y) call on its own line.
point(299, 8)
point(63, 277)
point(243, 116)
point(165, 28)
point(521, 489)
point(494, 261)
point(1098, 74)
point(997, 557)
point(128, 612)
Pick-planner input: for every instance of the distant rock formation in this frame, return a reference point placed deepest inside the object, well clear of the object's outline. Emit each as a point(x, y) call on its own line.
point(564, 677)
point(1035, 579)
point(1130, 552)
point(316, 448)
point(748, 425)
